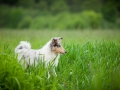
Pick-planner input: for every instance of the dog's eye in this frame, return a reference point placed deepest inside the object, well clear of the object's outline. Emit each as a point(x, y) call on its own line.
point(55, 45)
point(58, 46)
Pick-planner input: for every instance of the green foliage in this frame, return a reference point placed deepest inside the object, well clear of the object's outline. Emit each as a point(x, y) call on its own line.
point(12, 75)
point(42, 6)
point(26, 3)
point(93, 19)
point(10, 17)
point(59, 6)
point(109, 9)
point(25, 23)
point(4, 16)
point(15, 17)
point(58, 15)
point(94, 5)
point(87, 65)
point(87, 19)
point(91, 66)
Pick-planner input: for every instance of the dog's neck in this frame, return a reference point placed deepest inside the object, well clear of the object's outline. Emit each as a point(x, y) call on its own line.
point(47, 48)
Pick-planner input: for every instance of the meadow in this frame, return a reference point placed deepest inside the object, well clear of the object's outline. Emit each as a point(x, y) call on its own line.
point(92, 61)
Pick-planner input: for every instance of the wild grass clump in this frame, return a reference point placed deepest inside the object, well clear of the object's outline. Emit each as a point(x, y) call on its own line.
point(91, 66)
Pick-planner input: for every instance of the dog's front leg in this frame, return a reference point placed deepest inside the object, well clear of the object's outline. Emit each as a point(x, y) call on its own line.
point(48, 75)
point(54, 73)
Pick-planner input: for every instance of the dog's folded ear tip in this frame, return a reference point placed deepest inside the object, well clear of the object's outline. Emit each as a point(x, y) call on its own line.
point(61, 38)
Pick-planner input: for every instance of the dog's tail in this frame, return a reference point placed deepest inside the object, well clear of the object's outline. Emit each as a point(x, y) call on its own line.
point(23, 46)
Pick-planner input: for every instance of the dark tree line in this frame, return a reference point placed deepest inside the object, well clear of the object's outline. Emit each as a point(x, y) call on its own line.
point(109, 8)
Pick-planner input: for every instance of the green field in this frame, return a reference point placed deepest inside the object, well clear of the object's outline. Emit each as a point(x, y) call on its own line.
point(92, 61)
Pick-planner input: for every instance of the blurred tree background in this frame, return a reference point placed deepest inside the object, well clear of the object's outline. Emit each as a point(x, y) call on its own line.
point(60, 14)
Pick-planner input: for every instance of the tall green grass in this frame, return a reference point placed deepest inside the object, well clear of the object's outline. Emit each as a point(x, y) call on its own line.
point(87, 66)
point(93, 66)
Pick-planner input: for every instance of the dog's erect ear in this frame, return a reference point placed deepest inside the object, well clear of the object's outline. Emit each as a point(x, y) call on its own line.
point(60, 38)
point(54, 41)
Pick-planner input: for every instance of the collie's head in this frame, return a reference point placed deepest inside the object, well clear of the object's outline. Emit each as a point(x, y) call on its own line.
point(56, 46)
